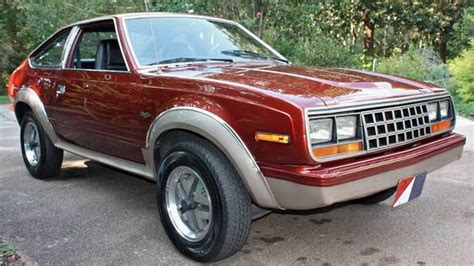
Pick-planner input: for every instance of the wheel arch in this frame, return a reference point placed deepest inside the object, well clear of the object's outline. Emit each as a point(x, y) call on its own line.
point(214, 129)
point(27, 99)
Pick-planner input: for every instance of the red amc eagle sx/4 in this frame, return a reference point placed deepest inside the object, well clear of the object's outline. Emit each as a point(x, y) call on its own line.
point(227, 127)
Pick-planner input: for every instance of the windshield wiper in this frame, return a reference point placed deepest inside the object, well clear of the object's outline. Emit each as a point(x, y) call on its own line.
point(190, 59)
point(246, 53)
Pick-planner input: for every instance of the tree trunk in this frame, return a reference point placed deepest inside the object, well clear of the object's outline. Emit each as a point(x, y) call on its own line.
point(369, 31)
point(442, 46)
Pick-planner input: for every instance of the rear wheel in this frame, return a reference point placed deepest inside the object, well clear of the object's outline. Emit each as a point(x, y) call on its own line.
point(204, 206)
point(41, 157)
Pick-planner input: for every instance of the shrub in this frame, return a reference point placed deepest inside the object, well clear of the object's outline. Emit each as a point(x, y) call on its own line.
point(421, 64)
point(462, 71)
point(321, 52)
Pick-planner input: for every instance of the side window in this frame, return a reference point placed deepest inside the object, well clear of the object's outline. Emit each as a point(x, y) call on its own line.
point(98, 48)
point(51, 55)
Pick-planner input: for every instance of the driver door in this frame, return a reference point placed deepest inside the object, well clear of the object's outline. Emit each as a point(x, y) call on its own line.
point(100, 95)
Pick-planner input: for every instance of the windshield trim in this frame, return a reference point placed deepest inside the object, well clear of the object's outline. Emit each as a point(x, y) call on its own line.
point(140, 66)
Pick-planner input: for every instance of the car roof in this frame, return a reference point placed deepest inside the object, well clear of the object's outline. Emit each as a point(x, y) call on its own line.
point(147, 14)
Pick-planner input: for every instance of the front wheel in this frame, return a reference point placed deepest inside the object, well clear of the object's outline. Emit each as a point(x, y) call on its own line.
point(204, 206)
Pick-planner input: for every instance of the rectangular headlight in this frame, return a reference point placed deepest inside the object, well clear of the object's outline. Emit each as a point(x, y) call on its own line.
point(444, 109)
point(346, 127)
point(321, 130)
point(433, 111)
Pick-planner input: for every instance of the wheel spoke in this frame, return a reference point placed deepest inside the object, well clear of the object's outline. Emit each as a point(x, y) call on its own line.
point(31, 137)
point(202, 218)
point(193, 221)
point(36, 139)
point(181, 192)
point(192, 190)
point(37, 151)
point(201, 197)
point(203, 208)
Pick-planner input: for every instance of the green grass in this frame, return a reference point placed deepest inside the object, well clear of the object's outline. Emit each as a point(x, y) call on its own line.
point(7, 249)
point(4, 99)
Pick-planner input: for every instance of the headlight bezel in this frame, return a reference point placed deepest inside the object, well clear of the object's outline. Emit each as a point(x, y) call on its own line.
point(340, 144)
point(334, 138)
point(356, 128)
point(314, 123)
point(448, 109)
point(439, 115)
point(313, 113)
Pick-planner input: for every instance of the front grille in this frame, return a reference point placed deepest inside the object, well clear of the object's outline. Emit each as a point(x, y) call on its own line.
point(396, 125)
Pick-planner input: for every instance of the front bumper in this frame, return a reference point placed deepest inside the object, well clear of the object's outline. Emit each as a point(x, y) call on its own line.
point(323, 187)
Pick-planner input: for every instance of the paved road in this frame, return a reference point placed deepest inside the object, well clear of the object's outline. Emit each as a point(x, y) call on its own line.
point(94, 214)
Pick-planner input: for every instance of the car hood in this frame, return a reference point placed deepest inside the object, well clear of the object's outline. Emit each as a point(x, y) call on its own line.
point(308, 86)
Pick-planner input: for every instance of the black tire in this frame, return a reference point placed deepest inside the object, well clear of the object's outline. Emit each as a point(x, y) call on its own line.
point(377, 198)
point(231, 204)
point(49, 162)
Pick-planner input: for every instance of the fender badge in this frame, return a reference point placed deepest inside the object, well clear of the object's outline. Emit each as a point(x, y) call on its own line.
point(144, 115)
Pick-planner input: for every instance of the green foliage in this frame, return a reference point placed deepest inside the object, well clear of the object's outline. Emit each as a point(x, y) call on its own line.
point(322, 52)
point(4, 99)
point(462, 71)
point(421, 64)
point(464, 108)
point(7, 249)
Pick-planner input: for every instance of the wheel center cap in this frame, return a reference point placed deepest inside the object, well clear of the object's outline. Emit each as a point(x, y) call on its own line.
point(187, 204)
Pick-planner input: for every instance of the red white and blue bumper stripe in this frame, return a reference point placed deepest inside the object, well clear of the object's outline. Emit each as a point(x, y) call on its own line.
point(408, 189)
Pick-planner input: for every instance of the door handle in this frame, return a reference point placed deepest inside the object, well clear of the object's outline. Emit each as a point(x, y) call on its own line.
point(60, 89)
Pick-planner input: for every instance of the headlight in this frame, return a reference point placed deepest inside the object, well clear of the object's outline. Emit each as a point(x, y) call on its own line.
point(444, 109)
point(433, 111)
point(346, 127)
point(321, 130)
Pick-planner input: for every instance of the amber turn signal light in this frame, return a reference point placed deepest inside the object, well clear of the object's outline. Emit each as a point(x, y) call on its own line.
point(272, 137)
point(337, 149)
point(440, 126)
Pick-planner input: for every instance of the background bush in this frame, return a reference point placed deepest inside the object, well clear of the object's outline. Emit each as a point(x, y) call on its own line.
point(462, 70)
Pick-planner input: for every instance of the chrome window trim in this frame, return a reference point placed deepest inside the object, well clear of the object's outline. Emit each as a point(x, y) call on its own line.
point(77, 35)
point(65, 53)
point(73, 34)
point(148, 15)
point(99, 70)
point(342, 110)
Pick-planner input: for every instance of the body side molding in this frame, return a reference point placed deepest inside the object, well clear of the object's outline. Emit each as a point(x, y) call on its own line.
point(217, 131)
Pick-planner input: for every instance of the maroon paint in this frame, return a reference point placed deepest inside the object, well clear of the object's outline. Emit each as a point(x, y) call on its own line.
point(100, 110)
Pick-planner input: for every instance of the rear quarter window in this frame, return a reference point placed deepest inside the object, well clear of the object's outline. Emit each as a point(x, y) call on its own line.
point(51, 54)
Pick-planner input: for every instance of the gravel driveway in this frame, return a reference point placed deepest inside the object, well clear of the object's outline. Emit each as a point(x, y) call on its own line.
point(95, 214)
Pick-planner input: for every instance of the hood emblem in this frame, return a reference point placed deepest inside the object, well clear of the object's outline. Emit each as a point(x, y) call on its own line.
point(424, 90)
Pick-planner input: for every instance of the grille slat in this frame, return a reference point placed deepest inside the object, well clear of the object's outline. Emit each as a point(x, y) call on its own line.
point(394, 126)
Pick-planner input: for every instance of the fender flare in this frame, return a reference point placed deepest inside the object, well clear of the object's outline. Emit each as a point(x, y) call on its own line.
point(221, 134)
point(29, 97)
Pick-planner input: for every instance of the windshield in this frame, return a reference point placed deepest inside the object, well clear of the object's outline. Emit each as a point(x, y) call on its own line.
point(163, 40)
